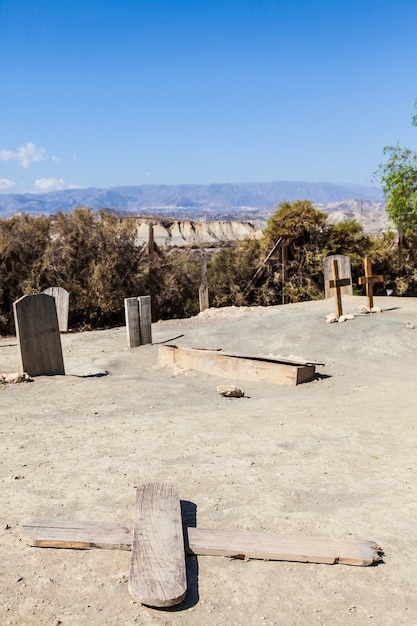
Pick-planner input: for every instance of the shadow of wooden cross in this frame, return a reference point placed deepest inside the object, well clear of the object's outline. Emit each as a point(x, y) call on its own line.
point(160, 540)
point(336, 283)
point(369, 281)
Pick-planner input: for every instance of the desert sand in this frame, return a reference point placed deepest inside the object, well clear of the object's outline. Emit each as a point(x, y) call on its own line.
point(334, 457)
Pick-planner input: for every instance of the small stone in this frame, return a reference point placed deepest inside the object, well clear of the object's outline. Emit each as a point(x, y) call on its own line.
point(331, 318)
point(230, 391)
point(409, 325)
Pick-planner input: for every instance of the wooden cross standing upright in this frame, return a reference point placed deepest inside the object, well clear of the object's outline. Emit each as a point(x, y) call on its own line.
point(369, 281)
point(160, 540)
point(336, 283)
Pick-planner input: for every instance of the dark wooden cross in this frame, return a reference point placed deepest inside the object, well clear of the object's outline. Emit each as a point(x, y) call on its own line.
point(336, 283)
point(160, 539)
point(369, 281)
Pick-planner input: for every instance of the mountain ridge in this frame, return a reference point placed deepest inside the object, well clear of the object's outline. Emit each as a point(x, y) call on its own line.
point(189, 201)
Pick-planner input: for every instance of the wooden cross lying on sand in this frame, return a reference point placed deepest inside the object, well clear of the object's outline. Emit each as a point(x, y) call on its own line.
point(370, 281)
point(159, 543)
point(336, 284)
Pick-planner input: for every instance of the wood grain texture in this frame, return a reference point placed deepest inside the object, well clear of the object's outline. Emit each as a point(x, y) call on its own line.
point(369, 281)
point(157, 567)
point(79, 535)
point(132, 322)
point(247, 544)
point(227, 365)
point(38, 336)
point(337, 288)
point(345, 271)
point(145, 319)
point(268, 546)
point(61, 296)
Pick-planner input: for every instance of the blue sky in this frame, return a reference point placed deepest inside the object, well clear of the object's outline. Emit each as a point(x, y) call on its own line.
point(131, 92)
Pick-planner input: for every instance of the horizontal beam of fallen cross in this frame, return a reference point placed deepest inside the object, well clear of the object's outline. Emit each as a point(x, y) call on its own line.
point(241, 544)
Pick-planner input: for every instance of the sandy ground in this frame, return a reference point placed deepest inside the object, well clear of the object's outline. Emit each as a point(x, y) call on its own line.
point(334, 457)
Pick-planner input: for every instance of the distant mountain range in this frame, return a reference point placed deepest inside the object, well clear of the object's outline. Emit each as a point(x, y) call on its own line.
point(240, 201)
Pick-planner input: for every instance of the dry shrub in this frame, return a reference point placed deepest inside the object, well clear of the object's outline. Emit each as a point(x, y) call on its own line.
point(23, 241)
point(176, 277)
point(94, 256)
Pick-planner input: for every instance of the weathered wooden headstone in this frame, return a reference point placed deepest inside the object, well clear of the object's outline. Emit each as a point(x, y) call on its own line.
point(145, 319)
point(369, 281)
point(61, 296)
point(138, 314)
point(345, 271)
point(38, 336)
point(132, 322)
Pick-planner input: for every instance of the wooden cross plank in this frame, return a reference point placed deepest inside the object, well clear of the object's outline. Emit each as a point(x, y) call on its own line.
point(232, 543)
point(157, 567)
point(336, 283)
point(269, 369)
point(158, 543)
point(369, 281)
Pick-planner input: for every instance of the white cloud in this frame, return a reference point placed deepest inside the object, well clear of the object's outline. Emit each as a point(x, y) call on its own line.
point(24, 155)
point(6, 183)
point(50, 184)
point(55, 159)
point(53, 184)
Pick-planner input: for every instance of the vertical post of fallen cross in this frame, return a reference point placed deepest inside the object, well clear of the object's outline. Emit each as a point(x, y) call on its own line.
point(203, 295)
point(369, 281)
point(337, 294)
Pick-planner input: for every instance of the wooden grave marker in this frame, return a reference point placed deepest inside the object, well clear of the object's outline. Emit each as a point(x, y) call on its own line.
point(138, 315)
point(132, 322)
point(369, 281)
point(203, 294)
point(38, 336)
point(337, 284)
point(157, 573)
point(345, 271)
point(271, 369)
point(145, 319)
point(61, 296)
